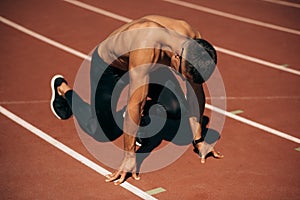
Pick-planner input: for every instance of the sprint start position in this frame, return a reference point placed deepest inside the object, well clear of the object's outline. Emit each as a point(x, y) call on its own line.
point(144, 48)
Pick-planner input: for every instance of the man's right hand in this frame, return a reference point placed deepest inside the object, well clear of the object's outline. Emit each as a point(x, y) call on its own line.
point(128, 166)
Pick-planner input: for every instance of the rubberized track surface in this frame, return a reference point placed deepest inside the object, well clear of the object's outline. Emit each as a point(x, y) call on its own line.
point(257, 164)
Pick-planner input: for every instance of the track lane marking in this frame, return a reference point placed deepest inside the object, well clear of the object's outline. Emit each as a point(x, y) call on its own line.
point(43, 38)
point(156, 191)
point(254, 124)
point(14, 102)
point(23, 102)
point(237, 112)
point(234, 17)
point(257, 60)
point(255, 98)
point(81, 55)
point(99, 11)
point(220, 49)
point(285, 3)
point(71, 152)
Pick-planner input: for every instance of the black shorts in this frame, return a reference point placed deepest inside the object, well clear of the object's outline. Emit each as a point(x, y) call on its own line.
point(104, 78)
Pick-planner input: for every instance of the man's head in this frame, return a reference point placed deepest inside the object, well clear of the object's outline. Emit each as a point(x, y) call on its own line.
point(200, 59)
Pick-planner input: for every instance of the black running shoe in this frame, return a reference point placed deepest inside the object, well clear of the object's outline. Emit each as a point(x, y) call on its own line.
point(59, 104)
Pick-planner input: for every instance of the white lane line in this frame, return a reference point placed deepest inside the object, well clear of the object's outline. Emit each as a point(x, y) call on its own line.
point(43, 38)
point(254, 124)
point(23, 102)
point(257, 60)
point(220, 49)
point(256, 98)
point(207, 98)
point(99, 11)
point(285, 3)
point(234, 17)
point(71, 152)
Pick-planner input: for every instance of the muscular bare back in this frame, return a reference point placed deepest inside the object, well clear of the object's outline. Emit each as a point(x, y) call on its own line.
point(162, 34)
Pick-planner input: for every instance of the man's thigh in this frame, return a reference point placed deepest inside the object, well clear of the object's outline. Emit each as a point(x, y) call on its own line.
point(109, 119)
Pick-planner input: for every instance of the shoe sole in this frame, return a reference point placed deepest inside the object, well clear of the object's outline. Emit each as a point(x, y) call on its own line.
point(53, 94)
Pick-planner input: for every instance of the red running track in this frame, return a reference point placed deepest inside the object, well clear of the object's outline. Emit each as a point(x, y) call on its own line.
point(257, 164)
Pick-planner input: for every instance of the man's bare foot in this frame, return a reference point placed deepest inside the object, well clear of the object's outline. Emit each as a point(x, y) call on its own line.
point(217, 154)
point(203, 149)
point(198, 143)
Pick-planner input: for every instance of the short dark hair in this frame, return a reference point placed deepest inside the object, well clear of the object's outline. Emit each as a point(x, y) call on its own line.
point(201, 59)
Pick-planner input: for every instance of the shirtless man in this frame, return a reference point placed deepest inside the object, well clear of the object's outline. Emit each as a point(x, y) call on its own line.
point(140, 48)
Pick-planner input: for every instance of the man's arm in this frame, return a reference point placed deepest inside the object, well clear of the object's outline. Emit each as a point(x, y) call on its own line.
point(196, 105)
point(140, 64)
point(138, 90)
